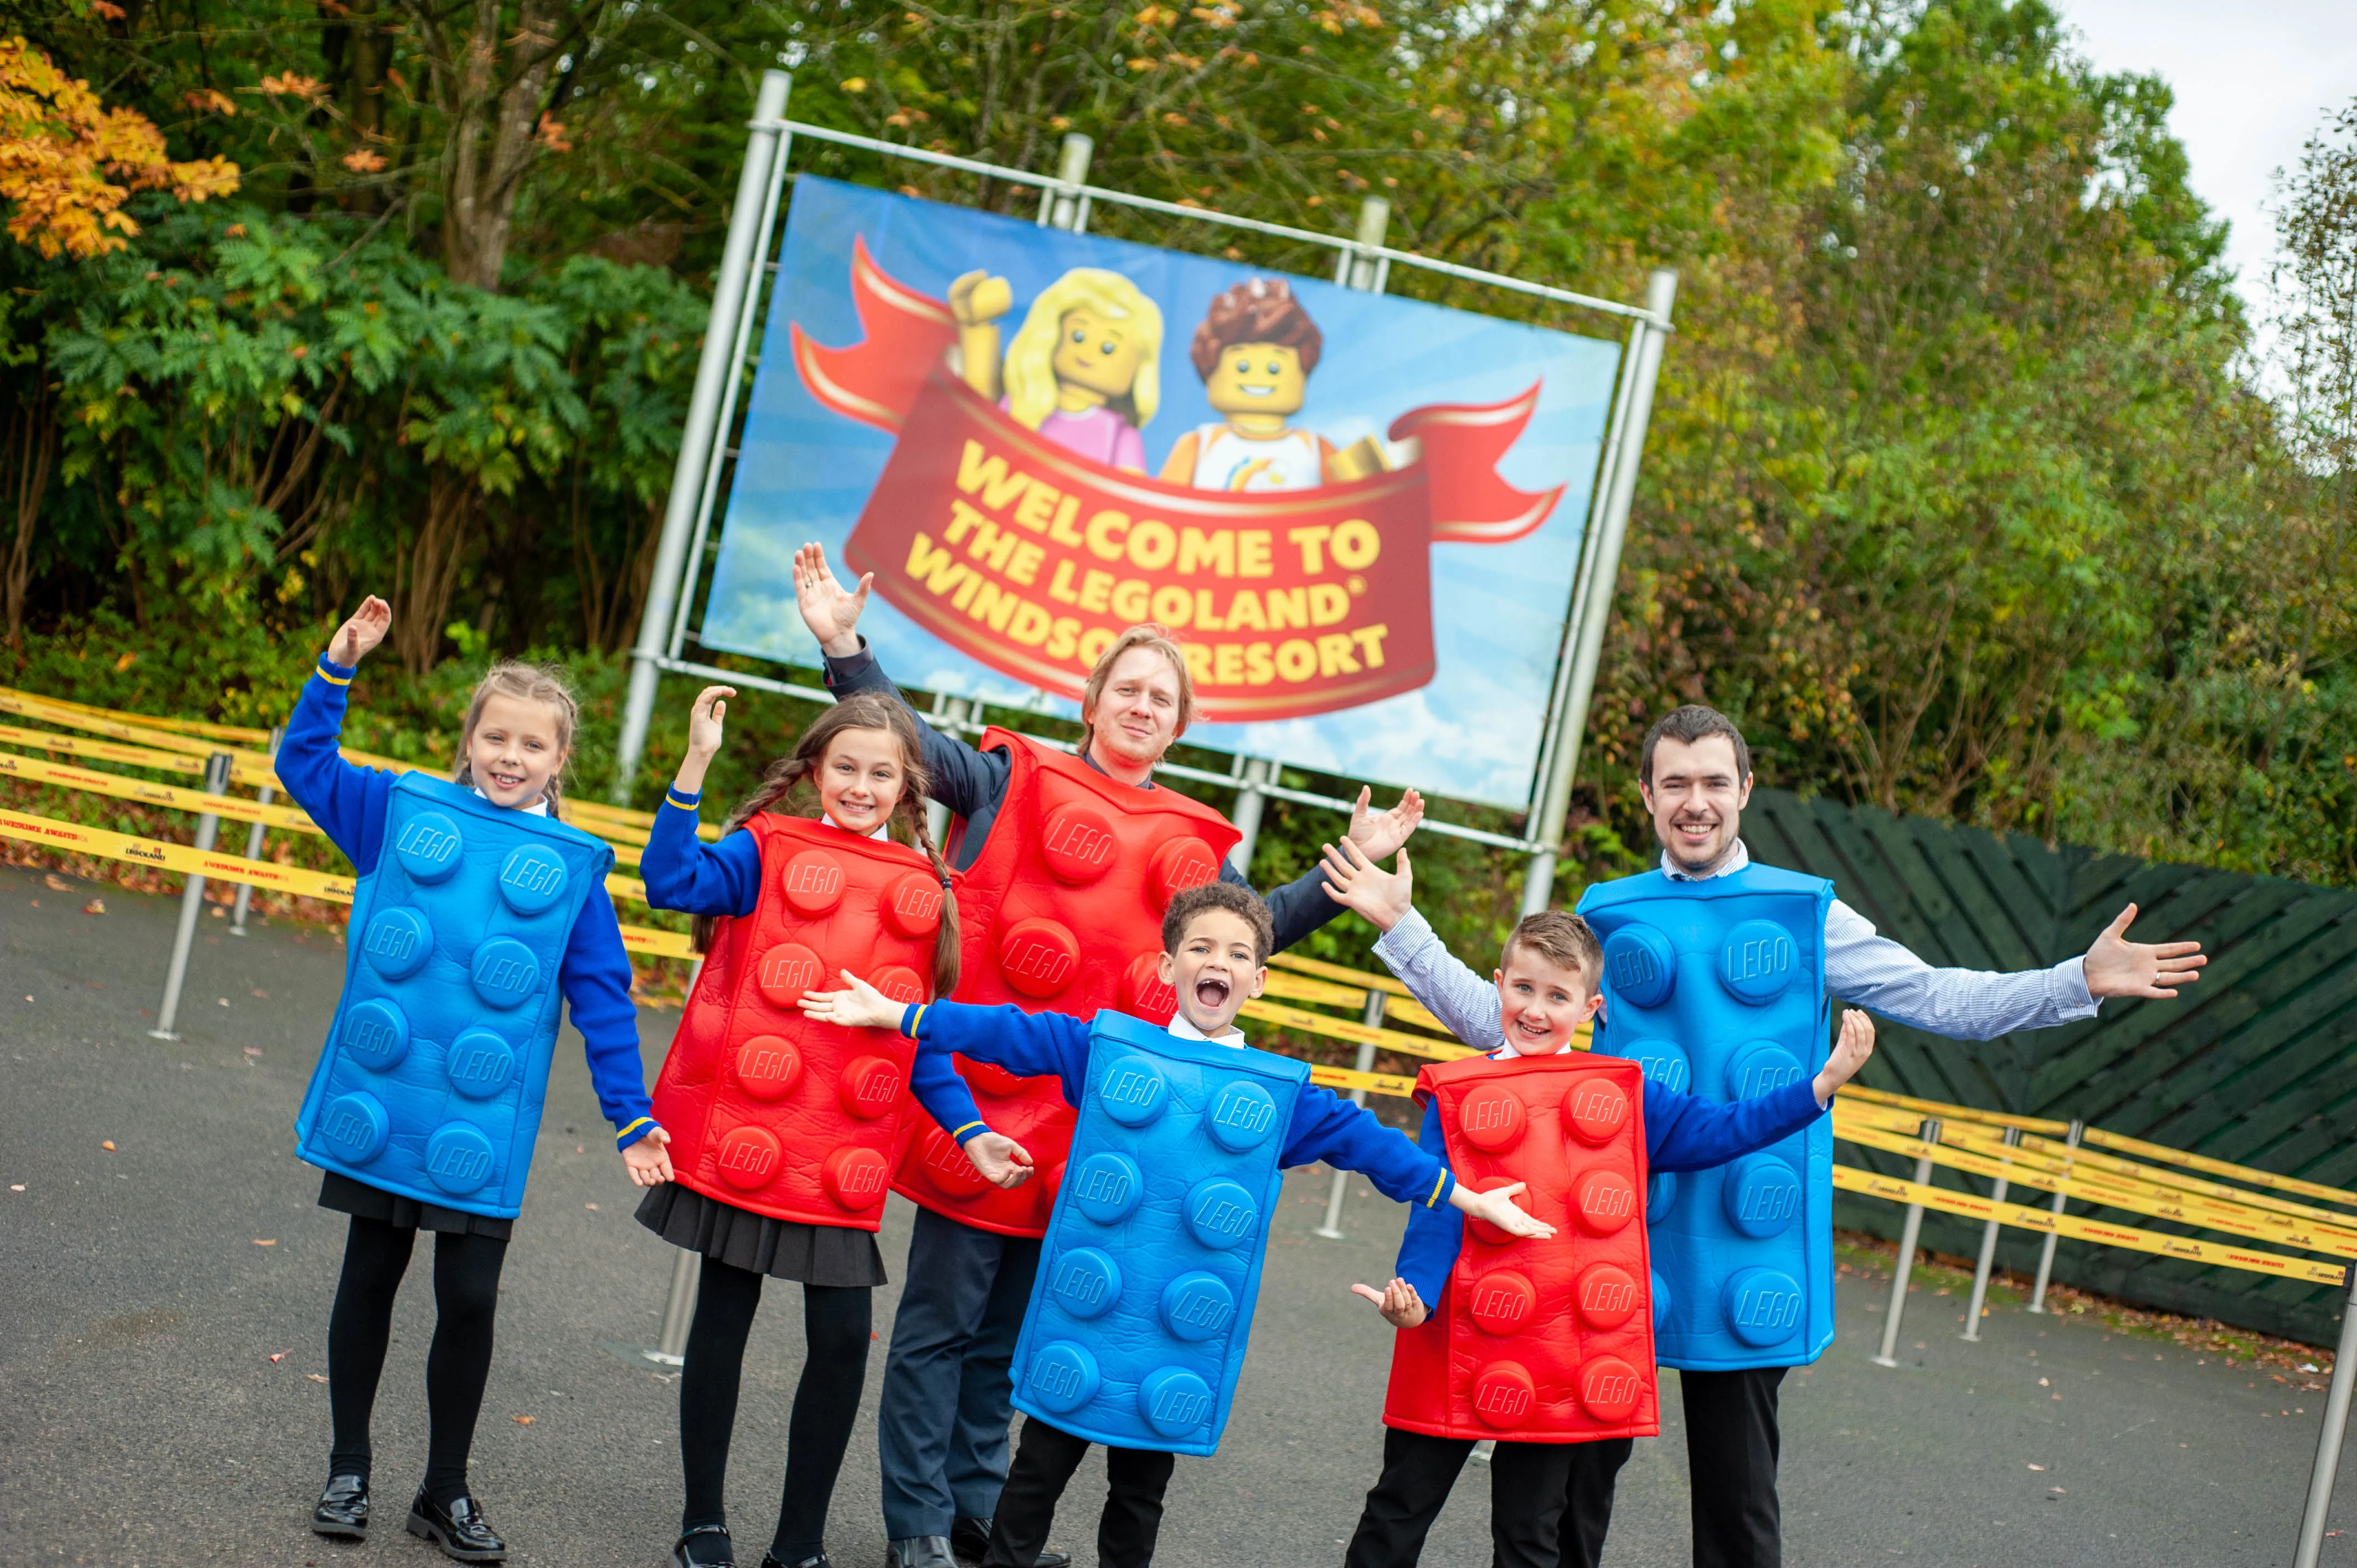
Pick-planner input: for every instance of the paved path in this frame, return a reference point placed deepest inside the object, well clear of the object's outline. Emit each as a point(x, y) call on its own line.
point(142, 1420)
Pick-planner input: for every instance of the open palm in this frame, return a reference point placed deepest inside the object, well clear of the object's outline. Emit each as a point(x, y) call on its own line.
point(829, 609)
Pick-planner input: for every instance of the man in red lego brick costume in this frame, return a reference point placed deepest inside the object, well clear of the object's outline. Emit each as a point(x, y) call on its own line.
point(1065, 864)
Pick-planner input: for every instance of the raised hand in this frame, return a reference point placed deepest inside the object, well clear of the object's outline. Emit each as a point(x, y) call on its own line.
point(1849, 1054)
point(2118, 967)
point(1397, 1301)
point(829, 609)
point(1497, 1206)
point(649, 1159)
point(861, 1006)
point(1380, 832)
point(999, 1159)
point(356, 636)
point(1356, 882)
point(976, 297)
point(706, 729)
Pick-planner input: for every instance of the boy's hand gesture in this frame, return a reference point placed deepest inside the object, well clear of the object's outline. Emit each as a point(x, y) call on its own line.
point(1497, 1206)
point(1849, 1054)
point(1397, 1301)
point(1354, 881)
point(860, 1008)
point(704, 728)
point(1001, 1161)
point(649, 1159)
point(829, 609)
point(356, 636)
point(1380, 832)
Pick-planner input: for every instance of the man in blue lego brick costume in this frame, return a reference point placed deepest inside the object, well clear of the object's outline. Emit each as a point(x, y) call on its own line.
point(1716, 973)
point(1145, 1294)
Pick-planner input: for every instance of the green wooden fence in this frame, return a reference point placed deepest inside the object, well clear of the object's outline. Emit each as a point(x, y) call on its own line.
point(2253, 1064)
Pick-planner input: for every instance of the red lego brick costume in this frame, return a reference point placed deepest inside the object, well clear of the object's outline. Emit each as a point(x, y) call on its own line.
point(768, 1108)
point(1061, 912)
point(1539, 1341)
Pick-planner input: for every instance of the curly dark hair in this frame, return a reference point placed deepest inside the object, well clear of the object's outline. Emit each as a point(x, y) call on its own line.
point(1261, 311)
point(1241, 902)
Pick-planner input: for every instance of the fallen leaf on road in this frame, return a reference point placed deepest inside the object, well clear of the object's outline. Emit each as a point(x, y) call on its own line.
point(16, 1187)
point(95, 906)
point(223, 1000)
point(280, 1357)
point(590, 1207)
point(522, 1421)
point(2056, 1491)
point(58, 884)
point(108, 1145)
point(314, 1377)
point(252, 1051)
point(259, 1242)
point(2037, 1466)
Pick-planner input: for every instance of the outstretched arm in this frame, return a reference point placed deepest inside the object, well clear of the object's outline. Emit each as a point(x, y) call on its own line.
point(346, 801)
point(1460, 998)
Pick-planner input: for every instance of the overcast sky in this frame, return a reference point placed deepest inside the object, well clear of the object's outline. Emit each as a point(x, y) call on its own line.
point(2253, 81)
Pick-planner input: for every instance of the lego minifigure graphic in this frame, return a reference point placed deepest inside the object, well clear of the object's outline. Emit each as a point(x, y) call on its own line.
point(1254, 350)
point(1082, 369)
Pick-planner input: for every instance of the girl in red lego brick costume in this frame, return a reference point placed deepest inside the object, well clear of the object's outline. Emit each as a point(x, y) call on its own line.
point(786, 1128)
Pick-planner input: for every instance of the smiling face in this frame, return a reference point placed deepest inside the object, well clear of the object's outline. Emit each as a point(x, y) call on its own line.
point(1136, 715)
point(514, 750)
point(860, 779)
point(1216, 969)
point(1095, 355)
point(1540, 1003)
point(1257, 378)
point(1697, 800)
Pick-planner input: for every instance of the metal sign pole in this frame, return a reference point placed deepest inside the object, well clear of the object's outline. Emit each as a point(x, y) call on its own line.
point(1584, 641)
point(731, 284)
point(2328, 1443)
point(254, 838)
point(686, 1270)
point(2046, 1252)
point(1250, 801)
point(192, 903)
point(1908, 1232)
point(1988, 1250)
point(1374, 1018)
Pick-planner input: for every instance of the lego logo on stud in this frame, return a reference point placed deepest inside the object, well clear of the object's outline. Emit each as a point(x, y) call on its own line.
point(1762, 1196)
point(1491, 1118)
point(1241, 1117)
point(398, 943)
point(1105, 1188)
point(1221, 1214)
point(1661, 1061)
point(1607, 1296)
point(354, 1128)
point(1196, 1306)
point(505, 973)
point(375, 1035)
point(1503, 1395)
point(458, 1157)
point(870, 1087)
point(1181, 863)
point(1174, 1401)
point(1078, 845)
point(1762, 1306)
point(768, 1067)
point(1639, 966)
point(1037, 957)
point(1661, 1194)
point(480, 1064)
point(532, 878)
point(855, 1178)
point(899, 983)
point(1610, 1388)
point(1085, 1282)
point(813, 882)
point(1605, 1202)
point(787, 972)
point(1144, 993)
point(1593, 1108)
point(1763, 1066)
point(747, 1157)
point(1132, 1091)
point(1502, 1300)
point(427, 846)
point(1062, 1376)
point(1757, 961)
point(946, 1163)
point(912, 906)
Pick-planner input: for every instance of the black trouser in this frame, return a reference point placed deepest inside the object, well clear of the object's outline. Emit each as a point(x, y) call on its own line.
point(1044, 1462)
point(1731, 1450)
point(466, 1300)
point(1526, 1491)
point(836, 1328)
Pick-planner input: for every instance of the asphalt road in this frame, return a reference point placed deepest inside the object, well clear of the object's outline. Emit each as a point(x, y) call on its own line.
point(142, 1421)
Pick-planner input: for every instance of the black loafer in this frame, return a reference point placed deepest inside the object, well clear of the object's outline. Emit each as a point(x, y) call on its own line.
point(681, 1558)
point(970, 1542)
point(343, 1510)
point(919, 1551)
point(460, 1530)
point(821, 1560)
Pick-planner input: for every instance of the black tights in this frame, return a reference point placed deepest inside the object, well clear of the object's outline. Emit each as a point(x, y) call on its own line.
point(836, 1321)
point(466, 1299)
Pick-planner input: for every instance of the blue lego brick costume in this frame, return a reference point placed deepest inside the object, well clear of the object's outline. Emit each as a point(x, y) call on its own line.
point(436, 1065)
point(1718, 988)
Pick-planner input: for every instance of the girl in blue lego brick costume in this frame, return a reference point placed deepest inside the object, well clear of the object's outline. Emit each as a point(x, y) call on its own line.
point(475, 910)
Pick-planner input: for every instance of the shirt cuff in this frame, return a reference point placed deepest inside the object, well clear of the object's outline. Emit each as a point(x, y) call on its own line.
point(634, 1132)
point(2070, 990)
point(910, 1018)
point(1399, 946)
point(1441, 1189)
point(838, 671)
point(335, 674)
point(685, 799)
point(970, 1131)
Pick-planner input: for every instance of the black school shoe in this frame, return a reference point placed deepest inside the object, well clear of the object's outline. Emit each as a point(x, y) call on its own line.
point(460, 1530)
point(708, 1552)
point(821, 1560)
point(970, 1542)
point(343, 1510)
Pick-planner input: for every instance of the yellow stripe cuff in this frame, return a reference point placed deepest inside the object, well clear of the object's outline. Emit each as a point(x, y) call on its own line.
point(331, 679)
point(908, 1021)
point(1437, 1183)
point(642, 1122)
point(970, 1127)
point(670, 797)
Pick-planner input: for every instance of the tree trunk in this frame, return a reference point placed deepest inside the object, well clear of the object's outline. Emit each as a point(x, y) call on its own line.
point(432, 570)
point(493, 125)
point(33, 445)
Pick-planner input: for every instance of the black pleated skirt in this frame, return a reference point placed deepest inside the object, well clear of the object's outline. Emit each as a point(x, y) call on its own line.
point(782, 1248)
point(349, 1194)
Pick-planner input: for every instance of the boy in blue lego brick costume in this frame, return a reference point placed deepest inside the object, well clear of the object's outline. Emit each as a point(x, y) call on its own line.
point(475, 911)
point(1138, 1319)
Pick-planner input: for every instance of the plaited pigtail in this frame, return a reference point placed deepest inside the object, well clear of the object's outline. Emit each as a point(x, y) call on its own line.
point(947, 943)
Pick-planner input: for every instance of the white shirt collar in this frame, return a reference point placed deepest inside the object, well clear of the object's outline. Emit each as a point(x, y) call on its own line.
point(882, 832)
point(1181, 1026)
point(537, 808)
point(1737, 859)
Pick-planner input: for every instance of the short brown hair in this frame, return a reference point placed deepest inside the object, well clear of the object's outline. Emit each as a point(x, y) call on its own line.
point(1690, 723)
point(1145, 634)
point(1564, 939)
point(1241, 902)
point(1261, 311)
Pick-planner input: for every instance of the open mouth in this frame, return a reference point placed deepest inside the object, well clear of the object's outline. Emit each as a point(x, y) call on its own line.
point(1210, 992)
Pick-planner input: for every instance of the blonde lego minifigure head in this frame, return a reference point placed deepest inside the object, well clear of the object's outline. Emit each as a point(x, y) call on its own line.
point(1089, 337)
